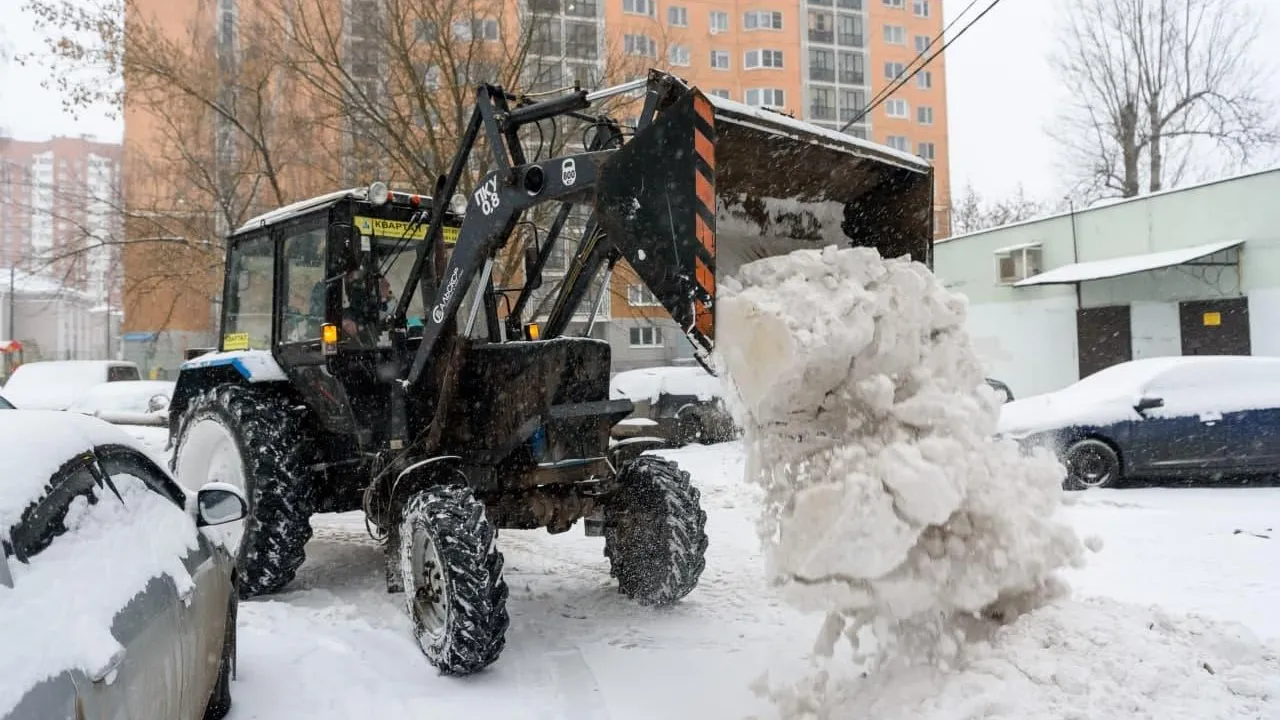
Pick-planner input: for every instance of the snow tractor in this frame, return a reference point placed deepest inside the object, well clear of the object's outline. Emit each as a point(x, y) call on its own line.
point(370, 359)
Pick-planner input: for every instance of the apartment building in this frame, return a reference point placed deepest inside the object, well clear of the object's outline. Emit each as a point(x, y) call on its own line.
point(60, 212)
point(820, 60)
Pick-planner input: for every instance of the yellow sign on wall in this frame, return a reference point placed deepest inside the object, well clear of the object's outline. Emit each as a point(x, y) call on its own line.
point(1212, 319)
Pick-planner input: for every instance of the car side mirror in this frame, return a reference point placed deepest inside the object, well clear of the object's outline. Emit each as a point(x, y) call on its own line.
point(157, 403)
point(532, 278)
point(1148, 403)
point(219, 504)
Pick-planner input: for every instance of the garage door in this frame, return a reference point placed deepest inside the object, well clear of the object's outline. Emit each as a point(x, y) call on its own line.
point(1215, 327)
point(1103, 338)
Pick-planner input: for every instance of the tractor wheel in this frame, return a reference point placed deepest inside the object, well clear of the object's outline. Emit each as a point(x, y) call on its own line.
point(655, 532)
point(250, 439)
point(452, 578)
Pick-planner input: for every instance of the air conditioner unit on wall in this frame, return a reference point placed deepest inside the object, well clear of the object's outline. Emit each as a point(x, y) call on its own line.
point(1019, 262)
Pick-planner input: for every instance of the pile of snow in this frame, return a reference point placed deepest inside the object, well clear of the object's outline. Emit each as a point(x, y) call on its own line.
point(889, 504)
point(652, 383)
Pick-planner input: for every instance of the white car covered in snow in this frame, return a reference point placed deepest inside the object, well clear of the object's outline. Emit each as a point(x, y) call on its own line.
point(681, 404)
point(56, 384)
point(116, 600)
point(1168, 417)
point(131, 402)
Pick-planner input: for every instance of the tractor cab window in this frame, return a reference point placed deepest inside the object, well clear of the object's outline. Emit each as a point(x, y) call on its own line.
point(395, 261)
point(302, 314)
point(249, 295)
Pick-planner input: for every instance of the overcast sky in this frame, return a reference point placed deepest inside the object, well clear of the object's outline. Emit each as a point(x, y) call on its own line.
point(1001, 94)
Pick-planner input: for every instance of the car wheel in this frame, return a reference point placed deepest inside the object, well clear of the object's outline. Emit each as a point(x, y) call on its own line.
point(1092, 464)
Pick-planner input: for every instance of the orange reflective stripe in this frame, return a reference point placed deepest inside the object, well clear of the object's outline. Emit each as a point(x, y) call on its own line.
point(706, 194)
point(703, 232)
point(702, 145)
point(705, 277)
point(702, 106)
point(704, 321)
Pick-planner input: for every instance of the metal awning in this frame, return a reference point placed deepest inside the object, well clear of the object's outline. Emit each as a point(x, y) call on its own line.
point(1128, 265)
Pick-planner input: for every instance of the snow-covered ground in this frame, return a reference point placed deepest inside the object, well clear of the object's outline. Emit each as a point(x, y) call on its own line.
point(336, 645)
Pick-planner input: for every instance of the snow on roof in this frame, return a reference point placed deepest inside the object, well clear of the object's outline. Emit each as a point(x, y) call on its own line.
point(26, 283)
point(651, 383)
point(35, 443)
point(299, 207)
point(841, 140)
point(1128, 265)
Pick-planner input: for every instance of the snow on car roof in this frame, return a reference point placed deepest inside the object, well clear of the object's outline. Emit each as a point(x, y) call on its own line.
point(122, 395)
point(35, 443)
point(651, 383)
point(55, 384)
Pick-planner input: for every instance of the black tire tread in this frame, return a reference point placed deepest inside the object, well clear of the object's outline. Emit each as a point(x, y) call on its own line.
point(666, 566)
point(466, 541)
point(1118, 466)
point(277, 478)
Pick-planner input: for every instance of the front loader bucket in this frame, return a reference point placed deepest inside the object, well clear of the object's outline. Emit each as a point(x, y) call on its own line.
point(712, 184)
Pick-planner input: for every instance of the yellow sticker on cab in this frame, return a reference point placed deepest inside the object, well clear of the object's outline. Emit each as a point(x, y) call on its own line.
point(235, 341)
point(399, 229)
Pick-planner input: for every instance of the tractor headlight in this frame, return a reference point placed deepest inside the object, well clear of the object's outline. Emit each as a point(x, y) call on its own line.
point(378, 193)
point(458, 204)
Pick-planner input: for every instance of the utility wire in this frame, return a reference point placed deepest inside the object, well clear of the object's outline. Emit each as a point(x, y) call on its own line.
point(894, 87)
point(889, 88)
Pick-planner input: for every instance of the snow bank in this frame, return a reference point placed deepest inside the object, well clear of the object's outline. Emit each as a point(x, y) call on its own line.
point(1089, 659)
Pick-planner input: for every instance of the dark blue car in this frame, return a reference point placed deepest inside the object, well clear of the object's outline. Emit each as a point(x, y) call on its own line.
point(1205, 416)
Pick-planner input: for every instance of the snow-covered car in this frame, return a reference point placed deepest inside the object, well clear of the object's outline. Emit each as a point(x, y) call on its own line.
point(117, 599)
point(1158, 418)
point(679, 404)
point(130, 402)
point(55, 384)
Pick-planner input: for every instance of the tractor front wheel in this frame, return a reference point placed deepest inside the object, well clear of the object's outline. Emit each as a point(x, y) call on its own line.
point(655, 532)
point(451, 572)
point(251, 439)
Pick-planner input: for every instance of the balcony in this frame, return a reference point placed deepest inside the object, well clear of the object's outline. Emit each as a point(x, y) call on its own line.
point(850, 39)
point(822, 112)
point(544, 6)
point(849, 4)
point(853, 77)
point(821, 3)
point(848, 113)
point(822, 36)
point(822, 74)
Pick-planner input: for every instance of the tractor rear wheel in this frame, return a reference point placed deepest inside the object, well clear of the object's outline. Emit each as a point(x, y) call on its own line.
point(452, 578)
point(655, 532)
point(251, 439)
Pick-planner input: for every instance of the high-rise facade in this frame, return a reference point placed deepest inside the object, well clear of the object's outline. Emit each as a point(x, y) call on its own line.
point(60, 211)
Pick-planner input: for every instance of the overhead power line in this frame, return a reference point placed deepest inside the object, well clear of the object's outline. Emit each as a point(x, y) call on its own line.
point(895, 86)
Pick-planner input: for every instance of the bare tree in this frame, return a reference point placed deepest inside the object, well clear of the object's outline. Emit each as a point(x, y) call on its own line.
point(973, 212)
point(1154, 84)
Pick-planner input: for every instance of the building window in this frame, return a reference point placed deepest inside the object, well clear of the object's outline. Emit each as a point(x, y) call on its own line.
point(895, 35)
point(927, 150)
point(822, 103)
point(678, 16)
point(921, 8)
point(581, 40)
point(640, 296)
point(852, 104)
point(922, 44)
point(821, 27)
point(822, 65)
point(765, 97)
point(639, 45)
point(678, 55)
point(924, 115)
point(639, 7)
point(896, 108)
point(720, 59)
point(762, 20)
point(924, 79)
point(719, 21)
point(897, 142)
point(762, 59)
point(1018, 263)
point(722, 94)
point(466, 31)
point(849, 31)
point(646, 337)
point(853, 70)
point(894, 70)
point(894, 3)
